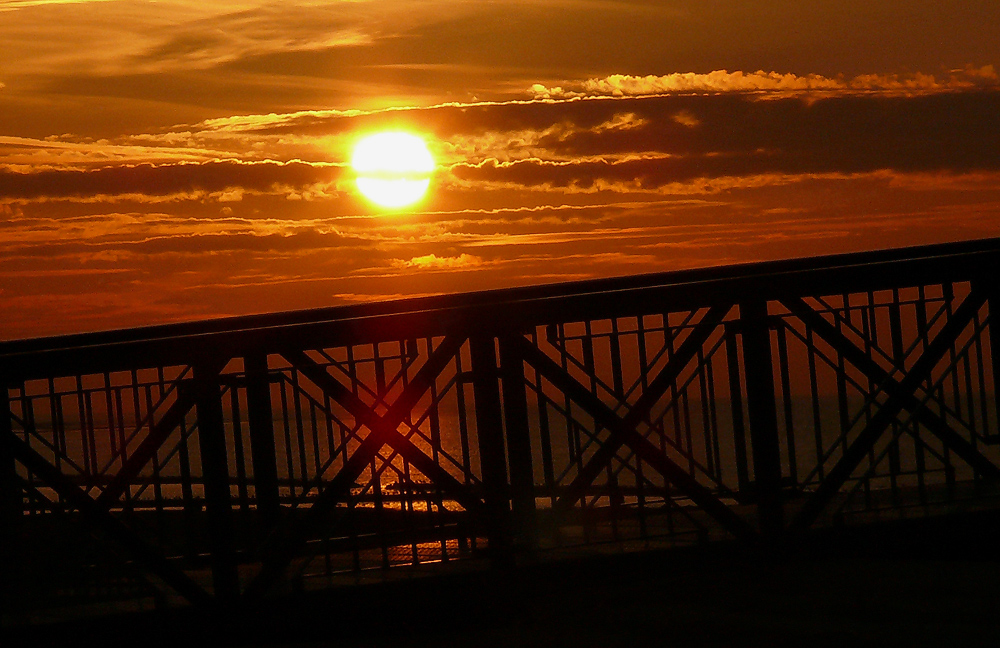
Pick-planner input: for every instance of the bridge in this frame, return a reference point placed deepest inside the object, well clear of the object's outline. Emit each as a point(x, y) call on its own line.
point(225, 463)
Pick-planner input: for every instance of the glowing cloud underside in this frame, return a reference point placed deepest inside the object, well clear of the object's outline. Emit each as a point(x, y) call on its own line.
point(393, 168)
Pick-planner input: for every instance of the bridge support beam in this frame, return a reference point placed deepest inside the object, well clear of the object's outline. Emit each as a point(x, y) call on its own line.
point(762, 411)
point(10, 507)
point(262, 451)
point(492, 454)
point(990, 286)
point(215, 471)
point(522, 480)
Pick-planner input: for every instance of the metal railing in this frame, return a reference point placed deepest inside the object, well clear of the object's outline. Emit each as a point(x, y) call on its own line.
point(225, 461)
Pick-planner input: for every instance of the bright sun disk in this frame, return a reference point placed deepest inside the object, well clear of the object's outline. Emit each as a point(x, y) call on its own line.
point(393, 168)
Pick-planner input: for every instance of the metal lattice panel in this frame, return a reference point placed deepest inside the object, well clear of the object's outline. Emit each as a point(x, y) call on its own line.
point(223, 462)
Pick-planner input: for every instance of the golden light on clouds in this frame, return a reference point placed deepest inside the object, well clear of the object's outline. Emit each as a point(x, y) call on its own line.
point(393, 168)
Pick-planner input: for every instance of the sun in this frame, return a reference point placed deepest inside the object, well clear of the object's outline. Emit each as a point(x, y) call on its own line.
point(393, 168)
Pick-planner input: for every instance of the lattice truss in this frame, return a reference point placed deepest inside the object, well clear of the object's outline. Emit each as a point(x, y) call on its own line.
point(378, 445)
point(116, 454)
point(632, 415)
point(887, 398)
point(881, 400)
point(229, 477)
point(366, 455)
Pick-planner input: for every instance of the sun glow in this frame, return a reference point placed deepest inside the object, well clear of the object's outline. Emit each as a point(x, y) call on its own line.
point(392, 168)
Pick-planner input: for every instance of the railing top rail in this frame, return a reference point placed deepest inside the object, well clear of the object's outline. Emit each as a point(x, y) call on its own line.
point(721, 283)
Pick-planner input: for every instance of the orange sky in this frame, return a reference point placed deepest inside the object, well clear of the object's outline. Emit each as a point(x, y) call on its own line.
point(174, 160)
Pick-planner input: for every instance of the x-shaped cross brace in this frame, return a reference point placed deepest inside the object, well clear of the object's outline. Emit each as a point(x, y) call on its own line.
point(287, 543)
point(624, 432)
point(97, 511)
point(901, 396)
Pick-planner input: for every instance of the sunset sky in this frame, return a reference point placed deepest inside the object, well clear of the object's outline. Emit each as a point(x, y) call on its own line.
point(176, 160)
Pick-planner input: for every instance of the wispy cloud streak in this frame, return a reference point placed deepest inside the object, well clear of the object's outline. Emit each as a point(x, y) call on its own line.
point(622, 85)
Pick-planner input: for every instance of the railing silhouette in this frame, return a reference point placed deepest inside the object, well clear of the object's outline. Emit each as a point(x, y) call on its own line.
point(226, 461)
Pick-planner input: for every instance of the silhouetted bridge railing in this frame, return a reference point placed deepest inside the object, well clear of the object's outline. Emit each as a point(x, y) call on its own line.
point(229, 460)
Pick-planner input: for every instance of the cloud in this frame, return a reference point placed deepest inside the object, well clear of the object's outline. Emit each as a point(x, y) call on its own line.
point(225, 177)
point(134, 268)
point(734, 135)
point(921, 126)
point(243, 36)
point(11, 5)
point(58, 151)
point(434, 262)
point(662, 144)
point(685, 118)
point(626, 85)
point(272, 121)
point(365, 298)
point(231, 195)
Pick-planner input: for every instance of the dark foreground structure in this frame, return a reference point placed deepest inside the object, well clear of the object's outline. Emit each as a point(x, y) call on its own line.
point(223, 468)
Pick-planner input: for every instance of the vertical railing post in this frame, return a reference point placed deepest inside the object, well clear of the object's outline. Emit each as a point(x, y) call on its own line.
point(262, 449)
point(11, 506)
point(989, 283)
point(994, 340)
point(736, 403)
point(898, 359)
point(492, 455)
point(762, 414)
point(215, 472)
point(522, 479)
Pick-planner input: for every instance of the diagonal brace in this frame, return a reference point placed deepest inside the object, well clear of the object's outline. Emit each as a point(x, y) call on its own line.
point(625, 433)
point(367, 416)
point(287, 542)
point(157, 436)
point(901, 395)
point(643, 405)
point(97, 515)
